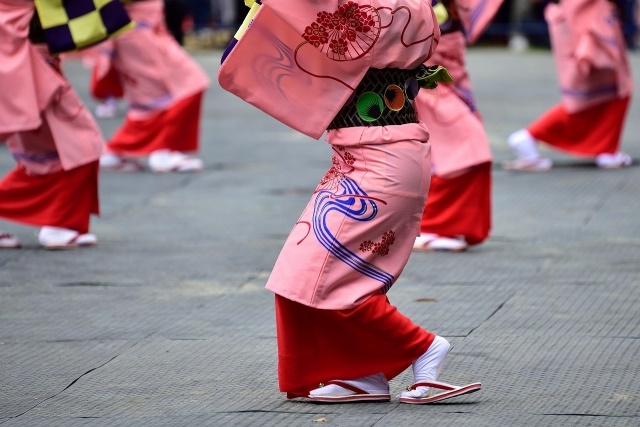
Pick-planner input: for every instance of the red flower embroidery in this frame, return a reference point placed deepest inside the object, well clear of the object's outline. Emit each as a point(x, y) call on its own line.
point(333, 173)
point(316, 34)
point(347, 33)
point(366, 246)
point(349, 159)
point(339, 46)
point(381, 248)
point(341, 164)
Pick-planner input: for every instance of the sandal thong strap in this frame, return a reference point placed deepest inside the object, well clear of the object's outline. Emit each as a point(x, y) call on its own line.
point(433, 384)
point(347, 386)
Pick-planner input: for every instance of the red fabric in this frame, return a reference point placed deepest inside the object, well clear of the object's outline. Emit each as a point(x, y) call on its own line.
point(60, 199)
point(176, 128)
point(317, 345)
point(460, 206)
point(590, 132)
point(107, 87)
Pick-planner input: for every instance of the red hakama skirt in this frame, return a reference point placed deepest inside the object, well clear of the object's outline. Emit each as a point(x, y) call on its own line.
point(176, 128)
point(61, 199)
point(596, 130)
point(460, 206)
point(316, 345)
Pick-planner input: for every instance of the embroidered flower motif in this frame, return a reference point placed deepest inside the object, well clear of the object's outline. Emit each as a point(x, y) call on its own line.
point(316, 34)
point(380, 248)
point(338, 46)
point(334, 172)
point(349, 159)
point(366, 246)
point(347, 33)
point(341, 164)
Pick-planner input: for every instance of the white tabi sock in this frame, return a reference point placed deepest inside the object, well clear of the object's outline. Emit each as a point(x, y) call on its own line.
point(373, 384)
point(427, 367)
point(523, 145)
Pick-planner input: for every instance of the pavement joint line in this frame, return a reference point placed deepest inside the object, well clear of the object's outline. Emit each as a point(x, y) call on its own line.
point(63, 390)
point(491, 314)
point(604, 199)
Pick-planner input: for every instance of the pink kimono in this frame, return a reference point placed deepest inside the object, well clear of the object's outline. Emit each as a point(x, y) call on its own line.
point(594, 76)
point(459, 201)
point(49, 132)
point(355, 236)
point(161, 83)
point(301, 62)
point(32, 94)
point(590, 53)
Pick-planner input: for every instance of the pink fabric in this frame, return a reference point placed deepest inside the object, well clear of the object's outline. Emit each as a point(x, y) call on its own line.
point(154, 70)
point(590, 52)
point(27, 82)
point(305, 86)
point(47, 127)
point(356, 234)
point(457, 135)
point(475, 16)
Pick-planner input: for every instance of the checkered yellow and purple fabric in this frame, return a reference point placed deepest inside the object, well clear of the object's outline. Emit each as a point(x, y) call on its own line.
point(76, 24)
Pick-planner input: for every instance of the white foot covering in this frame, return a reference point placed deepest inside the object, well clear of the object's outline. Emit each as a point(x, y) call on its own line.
point(107, 109)
point(173, 161)
point(523, 144)
point(64, 238)
point(9, 241)
point(375, 384)
point(613, 161)
point(432, 242)
point(526, 151)
point(427, 367)
point(114, 163)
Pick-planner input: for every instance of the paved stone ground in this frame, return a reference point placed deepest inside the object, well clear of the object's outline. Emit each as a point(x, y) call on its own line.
point(166, 322)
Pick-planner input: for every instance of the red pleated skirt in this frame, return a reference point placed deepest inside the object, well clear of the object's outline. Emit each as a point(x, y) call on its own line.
point(596, 130)
point(176, 128)
point(315, 346)
point(61, 199)
point(460, 206)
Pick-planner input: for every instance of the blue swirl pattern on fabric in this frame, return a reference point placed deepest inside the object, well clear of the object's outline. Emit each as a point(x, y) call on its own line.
point(354, 203)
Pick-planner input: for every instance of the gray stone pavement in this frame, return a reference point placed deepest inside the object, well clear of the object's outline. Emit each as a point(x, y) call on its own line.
point(166, 322)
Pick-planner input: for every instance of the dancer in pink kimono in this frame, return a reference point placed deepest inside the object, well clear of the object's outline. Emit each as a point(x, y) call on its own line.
point(353, 68)
point(163, 87)
point(51, 135)
point(458, 210)
point(596, 85)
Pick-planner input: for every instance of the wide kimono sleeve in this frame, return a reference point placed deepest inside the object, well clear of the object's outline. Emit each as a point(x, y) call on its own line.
point(300, 60)
point(27, 83)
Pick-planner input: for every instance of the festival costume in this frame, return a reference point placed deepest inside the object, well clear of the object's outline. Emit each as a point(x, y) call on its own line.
point(52, 136)
point(163, 87)
point(352, 68)
point(595, 83)
point(458, 210)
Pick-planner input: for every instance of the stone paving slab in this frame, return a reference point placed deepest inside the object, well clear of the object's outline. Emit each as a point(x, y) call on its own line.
point(166, 322)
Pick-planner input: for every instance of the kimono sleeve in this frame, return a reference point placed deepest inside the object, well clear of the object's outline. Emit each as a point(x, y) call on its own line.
point(290, 77)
